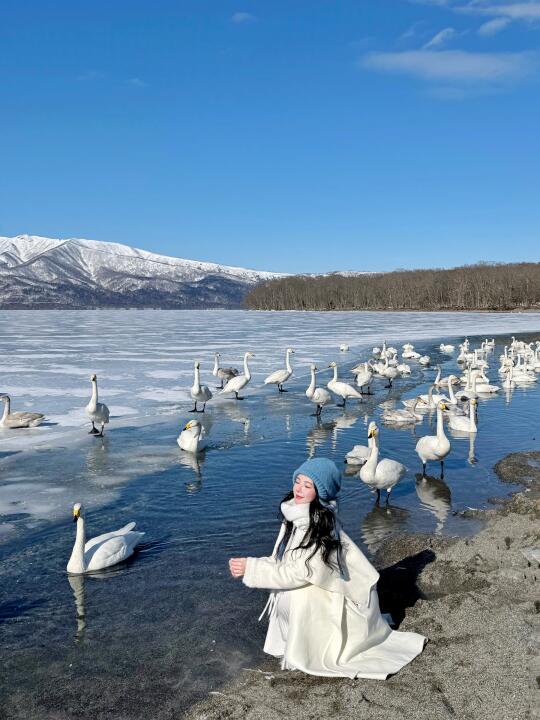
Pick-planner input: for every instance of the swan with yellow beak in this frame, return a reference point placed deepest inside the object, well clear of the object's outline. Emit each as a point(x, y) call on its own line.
point(193, 437)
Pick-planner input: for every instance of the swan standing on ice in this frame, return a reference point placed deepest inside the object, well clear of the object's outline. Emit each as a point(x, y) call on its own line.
point(383, 474)
point(102, 551)
point(343, 389)
point(319, 396)
point(280, 376)
point(360, 453)
point(96, 411)
point(193, 437)
point(389, 372)
point(463, 422)
point(224, 374)
point(239, 382)
point(19, 419)
point(434, 447)
point(364, 377)
point(199, 393)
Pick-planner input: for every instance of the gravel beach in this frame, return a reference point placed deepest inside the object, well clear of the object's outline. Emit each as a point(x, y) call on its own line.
point(478, 601)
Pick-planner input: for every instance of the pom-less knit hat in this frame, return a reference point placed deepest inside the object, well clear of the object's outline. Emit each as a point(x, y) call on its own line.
point(325, 475)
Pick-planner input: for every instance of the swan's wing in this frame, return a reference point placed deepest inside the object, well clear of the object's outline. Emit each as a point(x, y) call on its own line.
point(103, 411)
point(391, 466)
point(234, 384)
point(25, 418)
point(111, 551)
point(106, 536)
point(277, 376)
point(321, 396)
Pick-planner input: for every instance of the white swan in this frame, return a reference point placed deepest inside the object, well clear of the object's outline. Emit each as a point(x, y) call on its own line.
point(508, 382)
point(403, 417)
point(424, 360)
point(239, 382)
point(446, 348)
point(199, 393)
point(364, 377)
point(319, 396)
point(96, 411)
point(426, 400)
point(343, 389)
point(193, 437)
point(102, 551)
point(434, 447)
point(443, 381)
point(383, 474)
point(389, 372)
point(19, 419)
point(224, 374)
point(280, 376)
point(464, 422)
point(360, 453)
point(344, 347)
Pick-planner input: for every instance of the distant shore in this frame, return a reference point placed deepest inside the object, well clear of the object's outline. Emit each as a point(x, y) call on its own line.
point(517, 310)
point(475, 598)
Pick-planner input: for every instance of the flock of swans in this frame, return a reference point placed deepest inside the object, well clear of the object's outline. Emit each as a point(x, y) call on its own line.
point(454, 398)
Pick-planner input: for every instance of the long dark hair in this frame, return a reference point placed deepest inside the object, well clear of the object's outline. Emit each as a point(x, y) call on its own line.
point(322, 534)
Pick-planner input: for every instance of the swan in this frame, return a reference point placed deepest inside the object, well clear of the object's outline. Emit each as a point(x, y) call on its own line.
point(102, 551)
point(280, 376)
point(239, 382)
point(462, 422)
point(383, 474)
point(341, 388)
point(344, 347)
point(19, 419)
point(403, 416)
point(434, 447)
point(404, 369)
point(364, 377)
point(319, 396)
point(508, 382)
point(485, 387)
point(199, 393)
point(424, 360)
point(96, 411)
point(470, 389)
point(360, 453)
point(426, 400)
point(389, 372)
point(193, 437)
point(224, 374)
point(447, 349)
point(443, 381)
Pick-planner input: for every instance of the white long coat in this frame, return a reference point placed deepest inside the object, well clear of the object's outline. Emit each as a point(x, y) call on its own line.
point(335, 627)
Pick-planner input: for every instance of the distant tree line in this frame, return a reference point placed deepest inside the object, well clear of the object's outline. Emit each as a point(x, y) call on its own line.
point(485, 286)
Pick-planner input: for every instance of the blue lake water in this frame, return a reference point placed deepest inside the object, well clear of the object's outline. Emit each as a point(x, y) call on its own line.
point(158, 632)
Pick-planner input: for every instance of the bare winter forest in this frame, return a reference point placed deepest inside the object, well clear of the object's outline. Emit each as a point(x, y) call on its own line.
point(484, 286)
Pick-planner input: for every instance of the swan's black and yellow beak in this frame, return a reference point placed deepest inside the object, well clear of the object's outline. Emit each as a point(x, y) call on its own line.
point(76, 515)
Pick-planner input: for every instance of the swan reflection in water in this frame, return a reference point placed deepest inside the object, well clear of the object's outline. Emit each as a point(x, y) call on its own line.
point(193, 462)
point(381, 522)
point(318, 435)
point(77, 586)
point(471, 437)
point(434, 495)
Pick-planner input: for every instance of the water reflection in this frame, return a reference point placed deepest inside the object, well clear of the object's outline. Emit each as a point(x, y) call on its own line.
point(318, 435)
point(434, 495)
point(97, 457)
point(381, 522)
point(77, 586)
point(193, 461)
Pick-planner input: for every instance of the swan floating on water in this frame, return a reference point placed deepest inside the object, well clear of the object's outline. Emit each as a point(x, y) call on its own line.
point(239, 382)
point(403, 417)
point(463, 422)
point(199, 393)
point(343, 389)
point(360, 453)
point(102, 551)
point(193, 437)
point(319, 396)
point(18, 419)
point(97, 412)
point(381, 474)
point(224, 374)
point(280, 376)
point(434, 447)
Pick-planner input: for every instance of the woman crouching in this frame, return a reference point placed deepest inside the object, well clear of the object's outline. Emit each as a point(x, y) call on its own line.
point(324, 616)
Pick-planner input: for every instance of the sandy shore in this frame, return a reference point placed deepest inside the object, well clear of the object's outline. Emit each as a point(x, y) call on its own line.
point(478, 601)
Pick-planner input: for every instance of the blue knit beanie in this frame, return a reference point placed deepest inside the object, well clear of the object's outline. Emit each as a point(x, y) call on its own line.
point(325, 475)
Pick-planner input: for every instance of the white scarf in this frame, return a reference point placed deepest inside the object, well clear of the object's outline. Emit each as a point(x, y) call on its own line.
point(297, 513)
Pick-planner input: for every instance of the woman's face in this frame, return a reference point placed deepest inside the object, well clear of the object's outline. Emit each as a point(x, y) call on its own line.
point(304, 490)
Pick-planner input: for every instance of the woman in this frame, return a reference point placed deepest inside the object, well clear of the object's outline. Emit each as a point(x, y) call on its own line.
point(323, 608)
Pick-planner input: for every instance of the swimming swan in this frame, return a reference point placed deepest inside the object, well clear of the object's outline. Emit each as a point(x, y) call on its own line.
point(239, 382)
point(193, 437)
point(434, 447)
point(199, 393)
point(464, 422)
point(403, 417)
point(319, 396)
point(102, 551)
point(280, 376)
point(19, 419)
point(96, 411)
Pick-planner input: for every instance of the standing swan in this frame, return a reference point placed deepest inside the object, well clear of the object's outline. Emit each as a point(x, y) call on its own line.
point(381, 475)
point(239, 382)
point(96, 411)
point(319, 396)
point(340, 388)
point(224, 374)
point(20, 419)
point(280, 376)
point(102, 551)
point(199, 393)
point(434, 447)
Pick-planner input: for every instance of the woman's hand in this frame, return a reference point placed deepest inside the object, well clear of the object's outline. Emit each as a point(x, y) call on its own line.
point(237, 566)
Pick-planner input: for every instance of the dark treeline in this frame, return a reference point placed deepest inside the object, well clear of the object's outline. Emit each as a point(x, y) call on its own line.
point(485, 286)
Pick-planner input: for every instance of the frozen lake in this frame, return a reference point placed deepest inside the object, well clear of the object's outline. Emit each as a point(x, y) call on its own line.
point(157, 633)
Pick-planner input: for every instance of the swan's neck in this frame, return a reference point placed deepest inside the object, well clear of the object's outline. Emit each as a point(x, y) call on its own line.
point(76, 561)
point(94, 398)
point(451, 393)
point(371, 462)
point(436, 381)
point(6, 409)
point(216, 366)
point(335, 373)
point(246, 368)
point(288, 361)
point(311, 388)
point(440, 425)
point(197, 380)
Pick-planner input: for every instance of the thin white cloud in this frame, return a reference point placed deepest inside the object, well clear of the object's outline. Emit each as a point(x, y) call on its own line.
point(491, 27)
point(514, 11)
point(137, 82)
point(414, 30)
point(240, 18)
point(454, 65)
point(440, 38)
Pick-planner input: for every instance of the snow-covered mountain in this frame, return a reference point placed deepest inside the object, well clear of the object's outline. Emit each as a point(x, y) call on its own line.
point(37, 272)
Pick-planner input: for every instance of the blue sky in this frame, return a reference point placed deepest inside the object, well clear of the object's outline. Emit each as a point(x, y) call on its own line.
point(290, 135)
